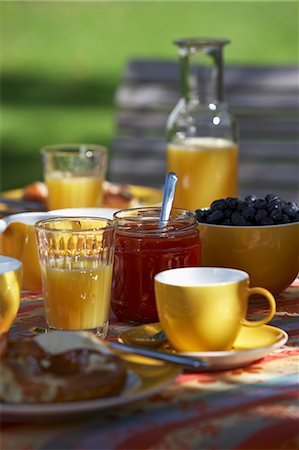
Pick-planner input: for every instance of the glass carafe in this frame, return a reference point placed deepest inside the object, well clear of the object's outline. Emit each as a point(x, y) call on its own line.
point(202, 138)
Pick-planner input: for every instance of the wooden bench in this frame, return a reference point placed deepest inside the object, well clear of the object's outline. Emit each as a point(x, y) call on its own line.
point(265, 101)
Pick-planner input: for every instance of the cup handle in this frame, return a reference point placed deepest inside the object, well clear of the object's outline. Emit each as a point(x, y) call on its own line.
point(271, 301)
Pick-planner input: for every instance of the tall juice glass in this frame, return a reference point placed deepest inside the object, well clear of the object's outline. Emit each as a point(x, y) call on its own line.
point(142, 249)
point(202, 138)
point(74, 175)
point(76, 257)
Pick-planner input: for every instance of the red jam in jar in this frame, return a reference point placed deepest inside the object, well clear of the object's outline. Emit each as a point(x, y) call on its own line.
point(143, 249)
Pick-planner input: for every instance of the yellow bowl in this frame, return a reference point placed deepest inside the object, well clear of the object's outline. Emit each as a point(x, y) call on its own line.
point(269, 254)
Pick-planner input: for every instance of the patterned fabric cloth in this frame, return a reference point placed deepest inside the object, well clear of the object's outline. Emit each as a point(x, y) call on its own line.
point(254, 407)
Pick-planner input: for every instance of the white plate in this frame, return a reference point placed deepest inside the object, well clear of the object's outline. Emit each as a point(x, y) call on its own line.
point(107, 213)
point(143, 381)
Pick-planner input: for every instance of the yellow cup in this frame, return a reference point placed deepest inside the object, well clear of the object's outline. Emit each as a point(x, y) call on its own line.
point(10, 291)
point(203, 308)
point(18, 240)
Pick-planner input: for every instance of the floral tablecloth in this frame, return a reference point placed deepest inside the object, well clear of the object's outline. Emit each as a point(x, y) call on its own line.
point(254, 407)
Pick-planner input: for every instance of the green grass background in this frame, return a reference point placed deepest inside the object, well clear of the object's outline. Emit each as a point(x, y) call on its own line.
point(62, 61)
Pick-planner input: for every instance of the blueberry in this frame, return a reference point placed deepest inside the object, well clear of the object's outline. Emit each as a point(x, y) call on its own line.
point(241, 205)
point(250, 198)
point(249, 212)
point(260, 203)
point(260, 215)
point(290, 209)
point(228, 213)
point(271, 197)
point(276, 214)
point(274, 205)
point(237, 218)
point(215, 216)
point(201, 215)
point(231, 203)
point(285, 218)
point(218, 205)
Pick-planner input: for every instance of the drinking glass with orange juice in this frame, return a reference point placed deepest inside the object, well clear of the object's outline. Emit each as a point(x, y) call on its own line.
point(10, 291)
point(74, 175)
point(76, 257)
point(202, 139)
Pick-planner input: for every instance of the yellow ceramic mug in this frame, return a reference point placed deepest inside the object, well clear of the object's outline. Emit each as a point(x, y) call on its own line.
point(17, 239)
point(203, 308)
point(10, 290)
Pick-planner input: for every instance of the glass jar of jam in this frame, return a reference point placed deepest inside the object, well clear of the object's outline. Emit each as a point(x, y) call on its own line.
point(144, 248)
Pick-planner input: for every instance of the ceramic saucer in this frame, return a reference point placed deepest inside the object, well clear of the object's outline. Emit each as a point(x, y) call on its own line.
point(251, 344)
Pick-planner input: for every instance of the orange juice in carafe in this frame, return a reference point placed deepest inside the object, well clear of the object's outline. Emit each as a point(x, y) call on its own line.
point(202, 134)
point(206, 169)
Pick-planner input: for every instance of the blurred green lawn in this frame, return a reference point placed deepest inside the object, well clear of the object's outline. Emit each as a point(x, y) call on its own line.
point(62, 61)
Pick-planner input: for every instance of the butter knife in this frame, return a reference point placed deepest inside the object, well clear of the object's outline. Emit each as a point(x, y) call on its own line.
point(188, 362)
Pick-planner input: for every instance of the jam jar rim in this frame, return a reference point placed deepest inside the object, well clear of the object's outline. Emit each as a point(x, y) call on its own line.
point(188, 222)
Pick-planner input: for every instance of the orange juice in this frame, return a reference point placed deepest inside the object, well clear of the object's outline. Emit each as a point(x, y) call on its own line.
point(77, 297)
point(207, 169)
point(74, 191)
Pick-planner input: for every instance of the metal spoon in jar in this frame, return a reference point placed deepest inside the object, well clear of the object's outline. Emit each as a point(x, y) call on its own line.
point(168, 196)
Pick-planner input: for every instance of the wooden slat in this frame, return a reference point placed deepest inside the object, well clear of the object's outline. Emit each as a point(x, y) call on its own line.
point(168, 71)
point(153, 83)
point(150, 96)
point(274, 152)
point(135, 123)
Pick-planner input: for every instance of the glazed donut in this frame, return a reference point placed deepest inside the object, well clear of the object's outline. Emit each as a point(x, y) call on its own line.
point(59, 367)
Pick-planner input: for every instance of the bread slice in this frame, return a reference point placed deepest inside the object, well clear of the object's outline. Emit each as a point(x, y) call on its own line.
point(59, 367)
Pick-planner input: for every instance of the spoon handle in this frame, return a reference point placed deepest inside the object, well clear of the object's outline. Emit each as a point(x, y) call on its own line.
point(191, 363)
point(168, 196)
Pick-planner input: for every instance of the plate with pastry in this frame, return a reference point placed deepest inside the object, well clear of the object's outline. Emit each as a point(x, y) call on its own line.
point(69, 373)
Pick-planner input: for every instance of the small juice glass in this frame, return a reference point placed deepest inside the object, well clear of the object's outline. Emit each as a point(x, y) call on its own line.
point(142, 249)
point(74, 175)
point(76, 257)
